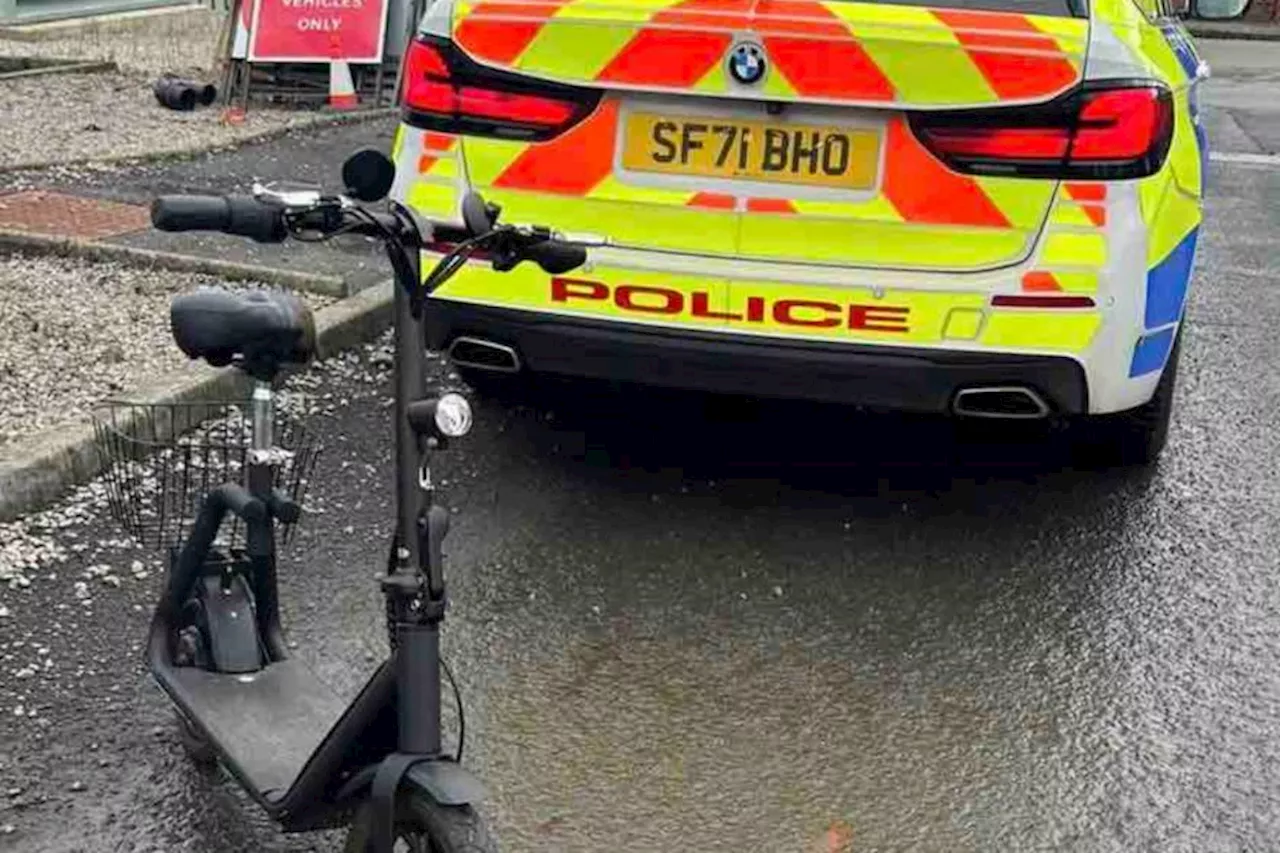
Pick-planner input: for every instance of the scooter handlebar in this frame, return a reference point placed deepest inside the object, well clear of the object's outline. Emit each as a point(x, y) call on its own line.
point(242, 215)
point(556, 257)
point(265, 222)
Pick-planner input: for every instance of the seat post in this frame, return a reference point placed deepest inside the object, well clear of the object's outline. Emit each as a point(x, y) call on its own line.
point(260, 475)
point(260, 472)
point(262, 415)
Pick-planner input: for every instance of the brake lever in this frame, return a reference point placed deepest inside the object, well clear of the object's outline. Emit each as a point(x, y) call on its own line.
point(295, 201)
point(289, 199)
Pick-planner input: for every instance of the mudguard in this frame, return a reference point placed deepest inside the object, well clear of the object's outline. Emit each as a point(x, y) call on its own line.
point(234, 645)
point(446, 782)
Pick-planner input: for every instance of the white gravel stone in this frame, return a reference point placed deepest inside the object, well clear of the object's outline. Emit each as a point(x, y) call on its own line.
point(29, 546)
point(73, 333)
point(74, 116)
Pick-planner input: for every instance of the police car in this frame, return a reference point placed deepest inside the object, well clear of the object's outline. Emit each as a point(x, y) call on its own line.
point(985, 208)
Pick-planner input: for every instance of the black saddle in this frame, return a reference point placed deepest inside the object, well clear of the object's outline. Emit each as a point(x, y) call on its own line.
point(262, 329)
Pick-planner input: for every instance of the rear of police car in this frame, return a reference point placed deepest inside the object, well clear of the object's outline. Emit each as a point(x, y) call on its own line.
point(951, 208)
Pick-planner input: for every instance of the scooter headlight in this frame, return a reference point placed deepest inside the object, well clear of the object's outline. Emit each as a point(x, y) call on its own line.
point(453, 415)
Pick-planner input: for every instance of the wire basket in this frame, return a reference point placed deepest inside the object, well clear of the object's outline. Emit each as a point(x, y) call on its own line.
point(160, 460)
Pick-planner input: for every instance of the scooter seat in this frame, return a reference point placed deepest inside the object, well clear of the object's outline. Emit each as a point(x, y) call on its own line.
point(267, 328)
point(265, 725)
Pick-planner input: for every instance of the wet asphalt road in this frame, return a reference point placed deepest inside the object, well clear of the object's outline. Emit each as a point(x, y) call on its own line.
point(686, 624)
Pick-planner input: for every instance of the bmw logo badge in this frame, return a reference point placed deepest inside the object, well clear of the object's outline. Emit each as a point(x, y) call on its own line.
point(746, 63)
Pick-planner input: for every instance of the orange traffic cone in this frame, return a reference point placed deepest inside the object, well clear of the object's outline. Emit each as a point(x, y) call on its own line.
point(342, 92)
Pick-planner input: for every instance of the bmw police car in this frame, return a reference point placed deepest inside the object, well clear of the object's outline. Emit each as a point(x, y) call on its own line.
point(985, 208)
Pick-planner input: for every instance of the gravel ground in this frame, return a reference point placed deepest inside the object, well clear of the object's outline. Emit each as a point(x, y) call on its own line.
point(39, 545)
point(73, 333)
point(61, 117)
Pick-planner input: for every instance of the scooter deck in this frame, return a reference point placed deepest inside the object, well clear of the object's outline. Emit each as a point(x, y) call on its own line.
point(265, 724)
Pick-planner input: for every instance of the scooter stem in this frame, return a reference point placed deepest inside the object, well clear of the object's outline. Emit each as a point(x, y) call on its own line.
point(417, 646)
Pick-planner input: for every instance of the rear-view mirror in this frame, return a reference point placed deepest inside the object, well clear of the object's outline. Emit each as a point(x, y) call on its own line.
point(476, 215)
point(368, 175)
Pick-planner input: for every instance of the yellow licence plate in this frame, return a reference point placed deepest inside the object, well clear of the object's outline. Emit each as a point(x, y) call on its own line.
point(834, 157)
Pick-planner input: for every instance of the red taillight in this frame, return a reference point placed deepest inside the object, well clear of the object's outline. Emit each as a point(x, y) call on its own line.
point(1122, 124)
point(999, 142)
point(443, 90)
point(1101, 133)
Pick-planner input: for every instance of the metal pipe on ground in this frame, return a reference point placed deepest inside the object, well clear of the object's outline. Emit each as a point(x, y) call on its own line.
point(177, 93)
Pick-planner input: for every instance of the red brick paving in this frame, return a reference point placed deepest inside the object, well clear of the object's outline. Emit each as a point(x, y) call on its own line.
point(61, 215)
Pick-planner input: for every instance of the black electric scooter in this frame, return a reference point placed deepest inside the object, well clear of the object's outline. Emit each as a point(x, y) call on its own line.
point(216, 645)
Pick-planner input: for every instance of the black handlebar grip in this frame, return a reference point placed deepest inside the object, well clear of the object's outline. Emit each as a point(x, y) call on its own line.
point(190, 213)
point(255, 219)
point(555, 257)
point(241, 215)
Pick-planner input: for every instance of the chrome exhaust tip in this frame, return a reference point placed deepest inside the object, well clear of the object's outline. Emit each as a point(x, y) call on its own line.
point(479, 354)
point(1007, 402)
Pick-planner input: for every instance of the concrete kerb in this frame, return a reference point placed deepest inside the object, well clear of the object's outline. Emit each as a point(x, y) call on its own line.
point(44, 244)
point(322, 120)
point(38, 470)
point(67, 67)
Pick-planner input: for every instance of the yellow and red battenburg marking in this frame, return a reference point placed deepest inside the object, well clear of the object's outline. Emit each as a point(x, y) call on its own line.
point(1040, 282)
point(918, 186)
point(770, 205)
point(1092, 199)
point(503, 39)
point(823, 49)
point(587, 147)
point(924, 190)
point(1013, 54)
point(434, 144)
point(714, 201)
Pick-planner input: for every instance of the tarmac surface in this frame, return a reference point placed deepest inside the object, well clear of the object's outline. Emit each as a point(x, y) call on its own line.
point(687, 624)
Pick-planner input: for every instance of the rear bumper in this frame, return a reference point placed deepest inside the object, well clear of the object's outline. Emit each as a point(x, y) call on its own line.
point(898, 379)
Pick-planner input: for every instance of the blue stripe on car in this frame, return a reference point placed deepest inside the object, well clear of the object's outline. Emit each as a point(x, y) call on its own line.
point(1151, 352)
point(1167, 283)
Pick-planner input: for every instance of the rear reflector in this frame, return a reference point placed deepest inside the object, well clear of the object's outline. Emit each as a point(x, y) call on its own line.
point(1008, 300)
point(1102, 132)
point(442, 89)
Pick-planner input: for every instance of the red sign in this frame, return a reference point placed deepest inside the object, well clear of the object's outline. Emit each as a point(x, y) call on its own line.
point(317, 30)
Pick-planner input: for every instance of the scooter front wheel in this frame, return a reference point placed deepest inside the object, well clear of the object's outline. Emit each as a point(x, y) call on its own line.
point(425, 826)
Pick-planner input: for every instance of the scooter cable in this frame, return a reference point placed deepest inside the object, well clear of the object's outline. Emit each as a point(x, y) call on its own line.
point(462, 715)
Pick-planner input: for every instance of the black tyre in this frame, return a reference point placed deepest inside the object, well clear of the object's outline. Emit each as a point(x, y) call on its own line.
point(425, 826)
point(1135, 437)
point(193, 743)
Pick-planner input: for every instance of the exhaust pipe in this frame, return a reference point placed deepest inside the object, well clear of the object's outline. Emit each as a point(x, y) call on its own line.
point(1011, 402)
point(479, 354)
